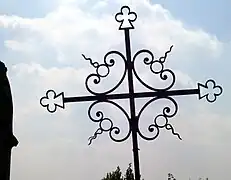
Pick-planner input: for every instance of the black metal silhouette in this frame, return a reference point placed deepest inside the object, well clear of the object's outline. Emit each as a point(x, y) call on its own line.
point(171, 177)
point(7, 139)
point(157, 68)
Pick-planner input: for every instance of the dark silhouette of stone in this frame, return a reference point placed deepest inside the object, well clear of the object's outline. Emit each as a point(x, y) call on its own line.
point(7, 139)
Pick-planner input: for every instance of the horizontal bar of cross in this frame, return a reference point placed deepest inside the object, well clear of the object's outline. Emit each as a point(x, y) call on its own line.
point(135, 95)
point(58, 100)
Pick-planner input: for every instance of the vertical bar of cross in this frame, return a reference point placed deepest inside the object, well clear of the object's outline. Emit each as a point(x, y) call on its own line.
point(133, 120)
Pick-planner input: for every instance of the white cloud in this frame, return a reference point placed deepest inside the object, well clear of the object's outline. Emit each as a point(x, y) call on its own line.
point(54, 146)
point(71, 26)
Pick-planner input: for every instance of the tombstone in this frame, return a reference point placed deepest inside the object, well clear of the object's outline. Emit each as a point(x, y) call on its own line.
point(7, 139)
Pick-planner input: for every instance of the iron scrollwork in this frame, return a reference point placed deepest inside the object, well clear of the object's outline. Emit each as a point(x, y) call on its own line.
point(156, 67)
point(164, 116)
point(126, 17)
point(103, 70)
point(100, 118)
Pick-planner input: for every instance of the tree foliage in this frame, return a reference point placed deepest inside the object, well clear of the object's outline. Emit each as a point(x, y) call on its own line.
point(117, 174)
point(129, 175)
point(114, 175)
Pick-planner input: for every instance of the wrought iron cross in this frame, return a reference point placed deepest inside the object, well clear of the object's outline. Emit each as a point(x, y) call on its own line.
point(209, 91)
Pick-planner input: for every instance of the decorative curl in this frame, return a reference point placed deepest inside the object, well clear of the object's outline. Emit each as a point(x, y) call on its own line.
point(103, 70)
point(164, 116)
point(97, 132)
point(169, 127)
point(156, 67)
point(101, 119)
point(94, 64)
point(165, 55)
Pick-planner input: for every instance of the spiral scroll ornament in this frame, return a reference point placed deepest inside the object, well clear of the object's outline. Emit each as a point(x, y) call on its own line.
point(155, 127)
point(103, 70)
point(157, 68)
point(98, 116)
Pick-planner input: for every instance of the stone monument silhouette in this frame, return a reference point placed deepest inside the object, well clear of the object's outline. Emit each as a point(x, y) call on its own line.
point(7, 139)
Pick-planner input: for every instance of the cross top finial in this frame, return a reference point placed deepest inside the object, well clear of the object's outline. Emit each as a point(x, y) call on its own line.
point(125, 17)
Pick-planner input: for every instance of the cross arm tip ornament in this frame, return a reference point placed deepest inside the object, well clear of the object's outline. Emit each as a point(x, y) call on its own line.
point(52, 100)
point(209, 90)
point(126, 17)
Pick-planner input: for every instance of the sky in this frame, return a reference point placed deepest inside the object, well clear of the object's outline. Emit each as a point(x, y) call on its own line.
point(42, 42)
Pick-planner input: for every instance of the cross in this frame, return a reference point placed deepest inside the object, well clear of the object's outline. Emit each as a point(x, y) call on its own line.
point(209, 90)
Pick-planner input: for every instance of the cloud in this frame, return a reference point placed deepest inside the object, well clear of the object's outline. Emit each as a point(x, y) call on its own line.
point(72, 26)
point(46, 53)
